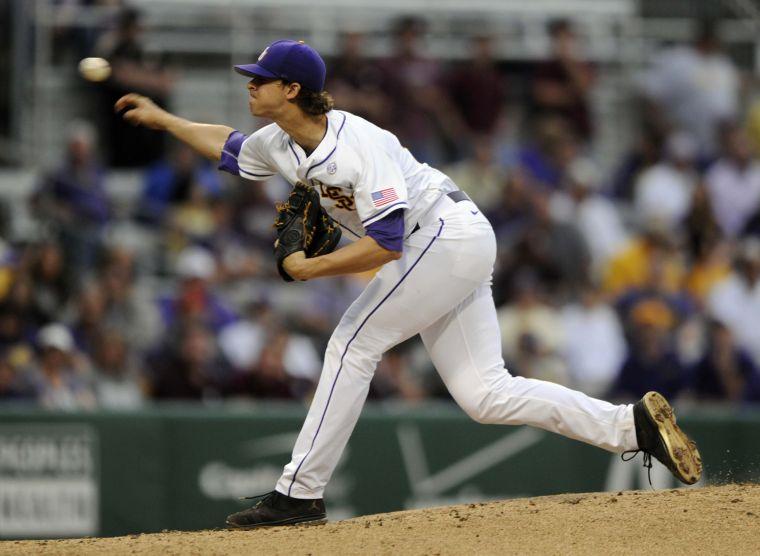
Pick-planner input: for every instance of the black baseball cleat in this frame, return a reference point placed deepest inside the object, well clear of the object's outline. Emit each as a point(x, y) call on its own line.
point(659, 436)
point(274, 508)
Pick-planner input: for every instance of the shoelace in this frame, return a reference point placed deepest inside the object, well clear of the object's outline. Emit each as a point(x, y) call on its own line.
point(261, 498)
point(647, 462)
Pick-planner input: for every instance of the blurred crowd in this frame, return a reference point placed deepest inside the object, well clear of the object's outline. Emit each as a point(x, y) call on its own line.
point(612, 282)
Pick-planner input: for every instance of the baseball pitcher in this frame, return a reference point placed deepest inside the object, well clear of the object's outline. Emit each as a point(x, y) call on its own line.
point(437, 253)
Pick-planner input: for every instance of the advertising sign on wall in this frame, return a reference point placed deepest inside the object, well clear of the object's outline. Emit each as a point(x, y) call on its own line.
point(48, 480)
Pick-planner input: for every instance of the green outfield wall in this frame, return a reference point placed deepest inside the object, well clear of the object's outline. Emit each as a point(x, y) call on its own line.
point(185, 468)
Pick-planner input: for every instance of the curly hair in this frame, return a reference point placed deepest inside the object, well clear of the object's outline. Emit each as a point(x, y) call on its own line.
point(314, 103)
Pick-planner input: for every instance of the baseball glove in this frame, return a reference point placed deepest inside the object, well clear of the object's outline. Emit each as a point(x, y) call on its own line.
point(303, 225)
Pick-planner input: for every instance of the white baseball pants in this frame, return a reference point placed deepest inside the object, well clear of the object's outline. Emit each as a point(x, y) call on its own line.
point(440, 288)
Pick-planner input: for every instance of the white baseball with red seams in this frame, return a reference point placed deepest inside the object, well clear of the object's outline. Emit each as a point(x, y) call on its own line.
point(440, 288)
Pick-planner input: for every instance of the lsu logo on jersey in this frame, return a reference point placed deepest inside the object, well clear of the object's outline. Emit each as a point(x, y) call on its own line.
point(336, 194)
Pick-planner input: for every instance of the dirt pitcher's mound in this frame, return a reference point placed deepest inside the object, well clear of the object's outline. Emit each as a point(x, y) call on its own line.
point(713, 520)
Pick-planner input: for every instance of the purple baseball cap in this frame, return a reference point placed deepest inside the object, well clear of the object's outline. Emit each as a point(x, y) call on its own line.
point(293, 61)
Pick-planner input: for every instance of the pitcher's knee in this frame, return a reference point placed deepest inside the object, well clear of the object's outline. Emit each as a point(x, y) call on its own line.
point(479, 416)
point(480, 409)
point(494, 406)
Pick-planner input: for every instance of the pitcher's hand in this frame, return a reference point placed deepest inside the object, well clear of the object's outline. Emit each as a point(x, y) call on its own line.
point(140, 110)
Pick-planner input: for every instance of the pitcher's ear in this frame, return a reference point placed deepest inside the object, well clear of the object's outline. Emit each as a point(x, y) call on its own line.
point(292, 90)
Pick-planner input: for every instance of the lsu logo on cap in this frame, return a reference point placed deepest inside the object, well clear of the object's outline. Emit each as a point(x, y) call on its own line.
point(263, 54)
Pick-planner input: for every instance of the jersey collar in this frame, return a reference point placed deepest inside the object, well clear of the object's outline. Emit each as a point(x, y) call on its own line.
point(308, 166)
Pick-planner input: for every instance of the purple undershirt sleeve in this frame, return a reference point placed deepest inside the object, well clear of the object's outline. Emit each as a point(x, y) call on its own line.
point(231, 151)
point(388, 232)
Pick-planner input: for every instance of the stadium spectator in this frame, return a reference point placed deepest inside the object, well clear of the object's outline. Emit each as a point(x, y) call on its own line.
point(562, 84)
point(733, 182)
point(420, 114)
point(711, 265)
point(533, 361)
point(72, 199)
point(271, 376)
point(130, 306)
point(191, 222)
point(195, 302)
point(553, 249)
point(58, 377)
point(480, 174)
point(547, 156)
point(655, 302)
point(725, 372)
point(511, 212)
point(701, 227)
point(651, 363)
point(8, 254)
point(594, 345)
point(16, 356)
point(664, 192)
point(239, 259)
point(646, 151)
point(735, 301)
point(20, 318)
point(187, 366)
point(477, 87)
point(132, 71)
point(752, 228)
point(631, 267)
point(90, 317)
point(73, 34)
point(694, 87)
point(595, 216)
point(174, 181)
point(355, 82)
point(268, 360)
point(51, 283)
point(12, 386)
point(252, 215)
point(532, 333)
point(119, 382)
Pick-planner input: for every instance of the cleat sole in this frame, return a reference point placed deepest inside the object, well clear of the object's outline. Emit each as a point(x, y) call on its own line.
point(682, 450)
point(312, 520)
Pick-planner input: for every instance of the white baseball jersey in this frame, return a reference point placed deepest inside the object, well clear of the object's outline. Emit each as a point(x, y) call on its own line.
point(438, 288)
point(360, 170)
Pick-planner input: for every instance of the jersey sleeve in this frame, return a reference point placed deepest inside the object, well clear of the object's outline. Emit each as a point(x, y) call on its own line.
point(380, 188)
point(388, 232)
point(243, 155)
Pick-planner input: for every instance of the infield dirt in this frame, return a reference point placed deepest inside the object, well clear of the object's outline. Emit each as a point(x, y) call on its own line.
point(711, 520)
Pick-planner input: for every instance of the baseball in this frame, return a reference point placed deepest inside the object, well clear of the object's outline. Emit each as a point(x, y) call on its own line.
point(94, 69)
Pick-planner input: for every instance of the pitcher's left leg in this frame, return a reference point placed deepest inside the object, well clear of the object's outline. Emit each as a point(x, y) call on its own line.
point(465, 346)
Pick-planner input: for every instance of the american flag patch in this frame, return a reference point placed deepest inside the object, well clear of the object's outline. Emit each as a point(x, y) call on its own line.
point(383, 197)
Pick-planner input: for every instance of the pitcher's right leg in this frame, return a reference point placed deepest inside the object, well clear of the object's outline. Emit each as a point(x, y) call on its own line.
point(404, 297)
